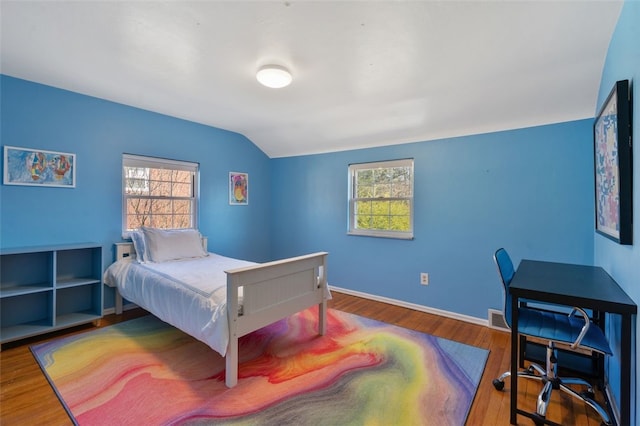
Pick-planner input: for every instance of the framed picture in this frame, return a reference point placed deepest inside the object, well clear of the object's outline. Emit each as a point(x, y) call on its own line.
point(613, 165)
point(37, 167)
point(238, 188)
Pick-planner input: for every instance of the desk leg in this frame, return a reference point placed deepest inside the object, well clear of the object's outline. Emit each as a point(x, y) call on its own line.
point(625, 370)
point(514, 360)
point(600, 319)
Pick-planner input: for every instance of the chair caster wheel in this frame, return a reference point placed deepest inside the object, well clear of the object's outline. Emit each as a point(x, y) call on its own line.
point(587, 394)
point(498, 384)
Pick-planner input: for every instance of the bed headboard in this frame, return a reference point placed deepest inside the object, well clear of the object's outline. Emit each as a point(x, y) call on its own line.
point(127, 251)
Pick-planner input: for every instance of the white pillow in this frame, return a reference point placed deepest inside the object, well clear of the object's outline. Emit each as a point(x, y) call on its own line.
point(172, 244)
point(137, 237)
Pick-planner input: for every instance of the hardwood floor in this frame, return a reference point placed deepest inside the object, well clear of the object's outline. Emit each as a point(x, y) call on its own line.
point(27, 399)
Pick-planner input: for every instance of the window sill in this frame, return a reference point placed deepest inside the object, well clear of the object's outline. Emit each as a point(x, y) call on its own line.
point(405, 236)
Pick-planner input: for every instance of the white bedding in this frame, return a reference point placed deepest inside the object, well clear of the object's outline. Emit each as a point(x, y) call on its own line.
point(189, 294)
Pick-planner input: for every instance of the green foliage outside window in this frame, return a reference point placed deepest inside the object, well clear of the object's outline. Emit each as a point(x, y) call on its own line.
point(382, 197)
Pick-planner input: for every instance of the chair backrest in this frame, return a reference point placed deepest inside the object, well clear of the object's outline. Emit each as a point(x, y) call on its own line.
point(506, 271)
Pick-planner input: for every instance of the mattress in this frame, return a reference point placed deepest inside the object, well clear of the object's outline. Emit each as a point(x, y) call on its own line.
point(189, 294)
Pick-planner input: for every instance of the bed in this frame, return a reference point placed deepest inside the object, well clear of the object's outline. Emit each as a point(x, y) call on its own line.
point(214, 298)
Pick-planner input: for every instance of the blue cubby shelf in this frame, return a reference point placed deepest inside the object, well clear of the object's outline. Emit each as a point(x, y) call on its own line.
point(47, 288)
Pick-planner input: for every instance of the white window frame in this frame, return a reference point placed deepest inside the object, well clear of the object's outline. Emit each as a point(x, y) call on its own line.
point(130, 160)
point(352, 226)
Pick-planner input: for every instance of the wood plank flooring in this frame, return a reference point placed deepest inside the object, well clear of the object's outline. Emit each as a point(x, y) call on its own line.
point(26, 398)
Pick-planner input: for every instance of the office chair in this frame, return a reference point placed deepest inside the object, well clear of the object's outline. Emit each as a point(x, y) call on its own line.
point(573, 331)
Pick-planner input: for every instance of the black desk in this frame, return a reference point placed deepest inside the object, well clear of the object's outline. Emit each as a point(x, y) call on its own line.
point(573, 285)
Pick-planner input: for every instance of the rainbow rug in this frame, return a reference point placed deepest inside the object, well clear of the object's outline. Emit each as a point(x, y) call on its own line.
point(361, 372)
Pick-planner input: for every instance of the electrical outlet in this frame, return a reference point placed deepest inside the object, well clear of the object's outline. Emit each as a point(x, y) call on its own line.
point(424, 278)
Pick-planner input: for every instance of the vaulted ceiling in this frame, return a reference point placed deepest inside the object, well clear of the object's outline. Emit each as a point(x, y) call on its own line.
point(365, 73)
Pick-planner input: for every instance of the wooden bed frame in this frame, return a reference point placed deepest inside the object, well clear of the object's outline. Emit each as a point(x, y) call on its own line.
point(271, 291)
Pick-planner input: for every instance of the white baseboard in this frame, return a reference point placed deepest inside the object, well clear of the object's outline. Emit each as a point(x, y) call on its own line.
point(414, 306)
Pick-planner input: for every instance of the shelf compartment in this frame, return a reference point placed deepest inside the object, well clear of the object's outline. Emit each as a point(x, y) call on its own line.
point(25, 316)
point(85, 299)
point(25, 270)
point(22, 331)
point(72, 264)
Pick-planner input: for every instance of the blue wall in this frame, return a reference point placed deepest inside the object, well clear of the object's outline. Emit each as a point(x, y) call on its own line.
point(623, 262)
point(529, 190)
point(99, 132)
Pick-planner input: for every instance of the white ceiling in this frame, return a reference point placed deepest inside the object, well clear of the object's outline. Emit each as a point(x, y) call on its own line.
point(365, 73)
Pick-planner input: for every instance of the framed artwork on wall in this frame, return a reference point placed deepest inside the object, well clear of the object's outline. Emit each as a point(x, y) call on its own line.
point(238, 188)
point(37, 167)
point(613, 164)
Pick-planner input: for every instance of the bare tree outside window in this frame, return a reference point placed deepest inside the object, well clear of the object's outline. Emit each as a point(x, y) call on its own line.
point(159, 197)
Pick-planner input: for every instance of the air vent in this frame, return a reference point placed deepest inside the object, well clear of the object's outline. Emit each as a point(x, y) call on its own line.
point(496, 320)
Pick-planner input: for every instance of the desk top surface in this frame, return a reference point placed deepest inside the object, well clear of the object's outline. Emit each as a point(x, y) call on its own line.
point(574, 285)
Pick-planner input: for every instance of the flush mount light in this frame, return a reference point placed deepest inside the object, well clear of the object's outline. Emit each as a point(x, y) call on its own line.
point(274, 76)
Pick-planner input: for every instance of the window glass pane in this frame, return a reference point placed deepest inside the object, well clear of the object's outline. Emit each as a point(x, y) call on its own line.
point(364, 177)
point(399, 223)
point(381, 176)
point(160, 221)
point(137, 186)
point(400, 207)
point(181, 221)
point(364, 191)
point(382, 190)
point(162, 206)
point(182, 189)
point(363, 221)
point(380, 222)
point(181, 207)
point(139, 207)
point(401, 191)
point(159, 188)
point(381, 200)
point(362, 207)
point(158, 193)
point(380, 208)
point(136, 180)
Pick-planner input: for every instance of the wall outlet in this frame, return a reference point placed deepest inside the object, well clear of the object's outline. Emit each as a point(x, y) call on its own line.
point(424, 278)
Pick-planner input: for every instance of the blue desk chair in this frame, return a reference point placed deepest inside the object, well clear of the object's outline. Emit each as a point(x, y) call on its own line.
point(569, 331)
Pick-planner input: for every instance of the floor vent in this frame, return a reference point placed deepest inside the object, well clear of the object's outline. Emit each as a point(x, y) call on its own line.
point(496, 320)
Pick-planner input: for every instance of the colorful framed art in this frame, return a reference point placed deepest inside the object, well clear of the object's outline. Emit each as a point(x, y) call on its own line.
point(238, 188)
point(613, 163)
point(37, 167)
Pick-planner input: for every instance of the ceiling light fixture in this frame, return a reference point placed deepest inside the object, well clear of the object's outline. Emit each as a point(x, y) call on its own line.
point(274, 76)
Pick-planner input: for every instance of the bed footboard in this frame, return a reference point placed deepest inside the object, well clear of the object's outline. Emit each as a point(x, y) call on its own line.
point(272, 291)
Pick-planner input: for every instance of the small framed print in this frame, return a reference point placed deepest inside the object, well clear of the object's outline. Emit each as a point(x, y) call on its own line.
point(37, 167)
point(238, 188)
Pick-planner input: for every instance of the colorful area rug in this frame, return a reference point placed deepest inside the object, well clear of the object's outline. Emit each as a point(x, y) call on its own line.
point(362, 371)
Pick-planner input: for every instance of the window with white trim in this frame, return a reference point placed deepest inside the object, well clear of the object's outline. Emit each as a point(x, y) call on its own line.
point(381, 199)
point(159, 193)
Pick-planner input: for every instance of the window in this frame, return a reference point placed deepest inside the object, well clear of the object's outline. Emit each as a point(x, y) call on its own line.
point(381, 199)
point(158, 192)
